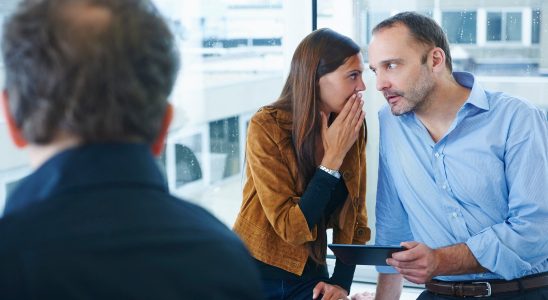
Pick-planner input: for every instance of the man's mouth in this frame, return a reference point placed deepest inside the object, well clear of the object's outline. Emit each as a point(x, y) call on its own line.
point(392, 98)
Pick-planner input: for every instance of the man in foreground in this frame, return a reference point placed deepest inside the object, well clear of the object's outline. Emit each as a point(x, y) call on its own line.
point(463, 174)
point(87, 83)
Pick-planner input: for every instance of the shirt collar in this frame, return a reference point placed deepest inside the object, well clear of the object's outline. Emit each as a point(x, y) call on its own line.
point(85, 167)
point(477, 96)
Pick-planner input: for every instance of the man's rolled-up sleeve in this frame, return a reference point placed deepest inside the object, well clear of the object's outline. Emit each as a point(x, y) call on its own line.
point(519, 245)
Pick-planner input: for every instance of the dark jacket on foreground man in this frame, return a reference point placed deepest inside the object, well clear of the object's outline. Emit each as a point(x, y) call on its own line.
point(97, 222)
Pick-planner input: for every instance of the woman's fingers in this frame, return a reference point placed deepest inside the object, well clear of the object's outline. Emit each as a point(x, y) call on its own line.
point(360, 118)
point(347, 109)
point(324, 123)
point(343, 132)
point(358, 115)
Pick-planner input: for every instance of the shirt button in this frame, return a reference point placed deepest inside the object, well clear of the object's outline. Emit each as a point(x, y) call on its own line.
point(454, 215)
point(437, 155)
point(444, 186)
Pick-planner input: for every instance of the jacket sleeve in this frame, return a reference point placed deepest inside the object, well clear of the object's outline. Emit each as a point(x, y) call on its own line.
point(274, 182)
point(343, 275)
point(316, 196)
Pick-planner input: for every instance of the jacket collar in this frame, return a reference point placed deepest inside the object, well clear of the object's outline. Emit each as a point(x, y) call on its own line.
point(85, 167)
point(283, 118)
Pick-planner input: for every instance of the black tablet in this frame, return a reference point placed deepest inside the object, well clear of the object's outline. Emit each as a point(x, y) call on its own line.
point(363, 254)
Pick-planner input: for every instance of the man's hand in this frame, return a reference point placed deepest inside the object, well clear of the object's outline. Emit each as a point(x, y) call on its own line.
point(329, 291)
point(389, 287)
point(419, 263)
point(363, 296)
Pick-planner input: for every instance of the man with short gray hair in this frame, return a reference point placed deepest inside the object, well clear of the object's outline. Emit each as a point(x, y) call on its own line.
point(86, 90)
point(463, 174)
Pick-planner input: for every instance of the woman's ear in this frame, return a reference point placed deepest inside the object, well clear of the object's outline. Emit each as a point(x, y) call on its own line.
point(14, 131)
point(158, 144)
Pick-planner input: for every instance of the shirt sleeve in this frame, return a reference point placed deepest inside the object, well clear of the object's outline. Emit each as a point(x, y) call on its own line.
point(316, 196)
point(518, 245)
point(343, 275)
point(392, 225)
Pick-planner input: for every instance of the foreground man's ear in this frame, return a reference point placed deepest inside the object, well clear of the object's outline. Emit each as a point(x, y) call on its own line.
point(15, 133)
point(158, 144)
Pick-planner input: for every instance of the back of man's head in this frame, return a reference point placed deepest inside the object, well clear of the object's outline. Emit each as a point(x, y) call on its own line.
point(423, 29)
point(100, 70)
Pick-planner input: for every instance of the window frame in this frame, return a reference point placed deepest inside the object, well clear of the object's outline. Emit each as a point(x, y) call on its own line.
point(504, 11)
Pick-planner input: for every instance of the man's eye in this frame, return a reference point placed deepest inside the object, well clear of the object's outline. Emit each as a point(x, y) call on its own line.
point(391, 66)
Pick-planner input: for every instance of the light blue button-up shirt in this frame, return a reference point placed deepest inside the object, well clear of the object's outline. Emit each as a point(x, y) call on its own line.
point(485, 183)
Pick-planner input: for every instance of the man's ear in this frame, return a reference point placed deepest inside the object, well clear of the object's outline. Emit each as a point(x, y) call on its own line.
point(158, 144)
point(438, 58)
point(15, 133)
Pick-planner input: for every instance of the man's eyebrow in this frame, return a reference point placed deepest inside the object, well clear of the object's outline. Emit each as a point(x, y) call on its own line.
point(387, 61)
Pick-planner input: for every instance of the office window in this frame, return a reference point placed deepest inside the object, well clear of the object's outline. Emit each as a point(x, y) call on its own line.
point(225, 143)
point(188, 160)
point(232, 63)
point(374, 18)
point(494, 26)
point(535, 26)
point(513, 26)
point(460, 27)
point(504, 26)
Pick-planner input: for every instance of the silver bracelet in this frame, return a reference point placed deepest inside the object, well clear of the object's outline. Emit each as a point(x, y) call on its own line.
point(334, 173)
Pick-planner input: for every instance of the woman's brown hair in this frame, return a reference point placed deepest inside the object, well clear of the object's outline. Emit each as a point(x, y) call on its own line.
point(319, 53)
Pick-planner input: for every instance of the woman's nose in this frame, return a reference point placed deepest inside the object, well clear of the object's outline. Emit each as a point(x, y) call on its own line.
point(361, 86)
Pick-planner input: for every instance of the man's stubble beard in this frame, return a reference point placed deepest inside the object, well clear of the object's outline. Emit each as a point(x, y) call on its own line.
point(418, 96)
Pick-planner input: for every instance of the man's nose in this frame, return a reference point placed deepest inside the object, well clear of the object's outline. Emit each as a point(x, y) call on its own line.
point(382, 82)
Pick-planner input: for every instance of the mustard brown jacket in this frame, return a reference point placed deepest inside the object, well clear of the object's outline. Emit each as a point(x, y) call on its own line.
point(270, 221)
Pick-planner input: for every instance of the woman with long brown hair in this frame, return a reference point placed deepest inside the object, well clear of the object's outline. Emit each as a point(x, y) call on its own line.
point(305, 172)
